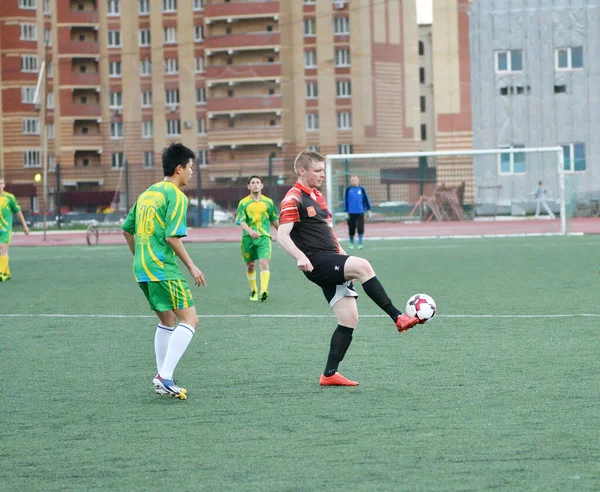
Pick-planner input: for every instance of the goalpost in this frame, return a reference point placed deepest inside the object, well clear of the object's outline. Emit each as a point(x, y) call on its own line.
point(490, 184)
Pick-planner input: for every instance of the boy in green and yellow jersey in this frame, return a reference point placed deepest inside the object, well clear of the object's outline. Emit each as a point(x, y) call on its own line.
point(8, 206)
point(153, 230)
point(254, 214)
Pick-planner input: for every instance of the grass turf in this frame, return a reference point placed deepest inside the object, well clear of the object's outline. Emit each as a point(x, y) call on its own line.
point(461, 403)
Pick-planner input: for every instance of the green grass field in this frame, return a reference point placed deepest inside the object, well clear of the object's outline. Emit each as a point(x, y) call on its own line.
point(463, 403)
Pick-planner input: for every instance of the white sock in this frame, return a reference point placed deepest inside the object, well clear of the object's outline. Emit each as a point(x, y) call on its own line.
point(180, 339)
point(161, 342)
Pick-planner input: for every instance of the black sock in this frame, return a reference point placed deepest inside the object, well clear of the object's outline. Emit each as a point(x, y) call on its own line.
point(376, 292)
point(340, 341)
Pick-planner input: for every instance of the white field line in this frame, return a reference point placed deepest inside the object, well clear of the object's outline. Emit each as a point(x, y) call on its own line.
point(204, 316)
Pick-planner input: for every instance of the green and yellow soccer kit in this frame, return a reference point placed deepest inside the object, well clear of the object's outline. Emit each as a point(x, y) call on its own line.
point(257, 214)
point(159, 213)
point(8, 206)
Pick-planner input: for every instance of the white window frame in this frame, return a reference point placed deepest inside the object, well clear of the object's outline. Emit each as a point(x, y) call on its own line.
point(28, 31)
point(113, 9)
point(171, 66)
point(31, 126)
point(146, 99)
point(47, 7)
point(569, 67)
point(29, 64)
point(200, 95)
point(310, 59)
point(169, 6)
point(173, 128)
point(344, 120)
point(115, 69)
point(509, 63)
point(344, 149)
point(170, 35)
point(51, 163)
point(202, 157)
point(511, 172)
point(199, 64)
point(198, 34)
point(312, 122)
point(49, 71)
point(115, 99)
point(117, 160)
point(50, 100)
point(32, 158)
point(144, 38)
point(310, 27)
point(571, 147)
point(342, 57)
point(113, 37)
point(144, 7)
point(341, 26)
point(309, 2)
point(28, 4)
point(148, 129)
point(27, 94)
point(343, 88)
point(198, 5)
point(47, 37)
point(50, 131)
point(116, 130)
point(200, 126)
point(148, 159)
point(145, 68)
point(312, 90)
point(172, 98)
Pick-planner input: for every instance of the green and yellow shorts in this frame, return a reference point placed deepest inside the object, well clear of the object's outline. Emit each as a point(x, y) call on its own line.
point(256, 249)
point(5, 237)
point(167, 295)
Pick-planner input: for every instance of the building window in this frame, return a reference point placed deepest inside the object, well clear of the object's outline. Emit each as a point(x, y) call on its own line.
point(31, 126)
point(172, 97)
point(423, 104)
point(114, 39)
point(423, 132)
point(312, 121)
point(148, 160)
point(28, 32)
point(47, 37)
point(29, 63)
point(116, 130)
point(202, 159)
point(115, 100)
point(343, 88)
point(27, 4)
point(144, 37)
point(50, 100)
point(509, 61)
point(32, 158)
point(51, 163)
point(568, 58)
point(341, 25)
point(422, 75)
point(117, 160)
point(199, 64)
point(47, 7)
point(574, 154)
point(200, 95)
point(49, 69)
point(50, 131)
point(198, 34)
point(144, 7)
point(312, 90)
point(310, 27)
point(146, 99)
point(147, 129)
point(310, 59)
point(198, 5)
point(344, 120)
point(512, 163)
point(114, 7)
point(114, 69)
point(421, 48)
point(314, 148)
point(309, 2)
point(170, 35)
point(171, 66)
point(145, 68)
point(200, 126)
point(173, 128)
point(27, 94)
point(342, 57)
point(169, 5)
point(344, 149)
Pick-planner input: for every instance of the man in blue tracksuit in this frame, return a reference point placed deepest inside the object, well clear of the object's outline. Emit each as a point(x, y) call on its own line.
point(356, 203)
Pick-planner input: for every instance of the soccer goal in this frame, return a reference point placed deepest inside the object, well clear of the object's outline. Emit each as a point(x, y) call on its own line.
point(486, 185)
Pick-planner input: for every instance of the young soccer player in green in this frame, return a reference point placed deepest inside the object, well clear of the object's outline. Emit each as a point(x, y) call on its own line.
point(254, 213)
point(8, 206)
point(153, 231)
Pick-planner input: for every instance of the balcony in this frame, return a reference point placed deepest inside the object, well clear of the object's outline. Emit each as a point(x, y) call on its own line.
point(249, 135)
point(254, 9)
point(260, 104)
point(249, 41)
point(259, 71)
point(70, 108)
point(69, 77)
point(90, 48)
point(69, 13)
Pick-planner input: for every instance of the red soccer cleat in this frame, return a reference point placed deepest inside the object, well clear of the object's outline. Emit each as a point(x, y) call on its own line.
point(404, 322)
point(336, 380)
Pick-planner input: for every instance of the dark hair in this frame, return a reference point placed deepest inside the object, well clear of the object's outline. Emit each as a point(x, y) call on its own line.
point(175, 155)
point(255, 176)
point(304, 158)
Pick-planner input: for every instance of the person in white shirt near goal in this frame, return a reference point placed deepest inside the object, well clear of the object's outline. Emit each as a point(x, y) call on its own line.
point(540, 197)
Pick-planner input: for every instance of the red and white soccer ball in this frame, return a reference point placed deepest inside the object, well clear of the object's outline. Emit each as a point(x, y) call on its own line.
point(421, 306)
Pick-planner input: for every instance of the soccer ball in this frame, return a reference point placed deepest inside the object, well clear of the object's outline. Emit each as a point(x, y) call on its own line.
point(421, 306)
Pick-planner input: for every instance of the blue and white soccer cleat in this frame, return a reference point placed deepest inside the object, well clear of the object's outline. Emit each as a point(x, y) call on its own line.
point(168, 387)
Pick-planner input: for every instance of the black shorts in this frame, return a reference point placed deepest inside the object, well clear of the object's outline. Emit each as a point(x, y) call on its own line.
point(328, 273)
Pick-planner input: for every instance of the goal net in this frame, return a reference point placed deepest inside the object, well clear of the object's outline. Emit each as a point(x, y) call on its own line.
point(485, 185)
